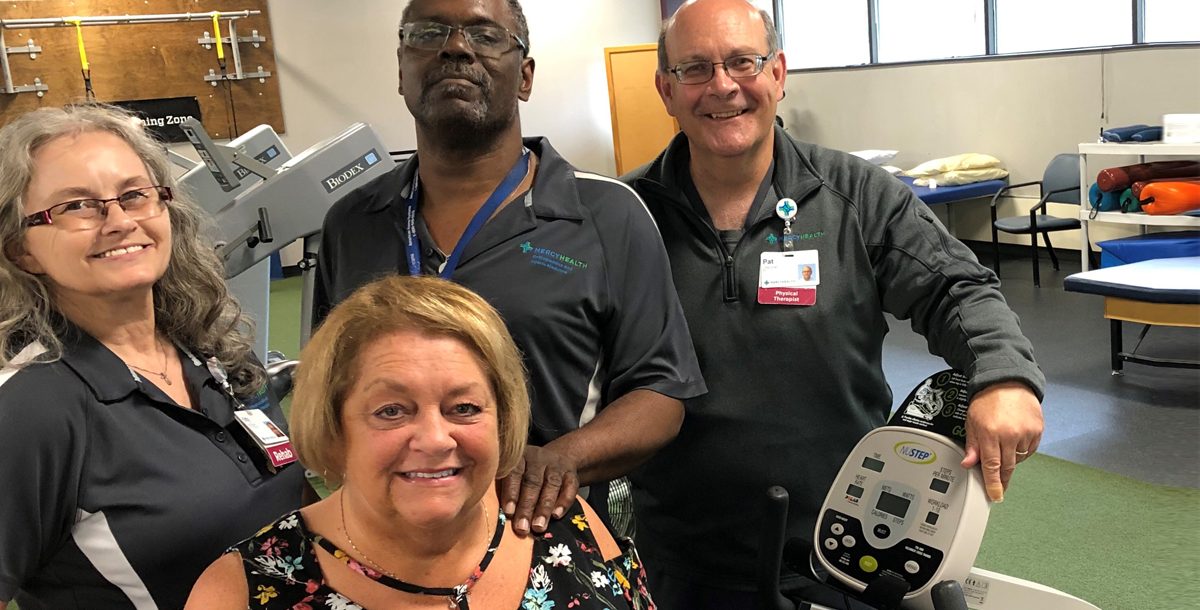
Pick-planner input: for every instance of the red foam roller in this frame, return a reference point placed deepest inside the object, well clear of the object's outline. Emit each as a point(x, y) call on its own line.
point(1120, 178)
point(1138, 186)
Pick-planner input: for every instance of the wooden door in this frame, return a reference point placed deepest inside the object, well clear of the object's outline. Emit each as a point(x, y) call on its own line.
point(641, 126)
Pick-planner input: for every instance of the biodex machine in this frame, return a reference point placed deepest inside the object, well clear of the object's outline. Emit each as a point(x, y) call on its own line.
point(903, 515)
point(261, 144)
point(256, 217)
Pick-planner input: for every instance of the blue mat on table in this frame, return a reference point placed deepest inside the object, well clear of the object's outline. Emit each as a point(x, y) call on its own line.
point(949, 194)
point(1175, 244)
point(1161, 280)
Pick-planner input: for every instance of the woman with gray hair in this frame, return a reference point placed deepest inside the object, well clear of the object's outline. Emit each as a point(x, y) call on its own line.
point(128, 391)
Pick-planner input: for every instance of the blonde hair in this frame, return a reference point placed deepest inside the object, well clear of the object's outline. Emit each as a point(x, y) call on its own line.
point(329, 364)
point(192, 305)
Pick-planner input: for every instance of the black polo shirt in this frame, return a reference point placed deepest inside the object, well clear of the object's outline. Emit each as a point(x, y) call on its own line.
point(114, 496)
point(576, 267)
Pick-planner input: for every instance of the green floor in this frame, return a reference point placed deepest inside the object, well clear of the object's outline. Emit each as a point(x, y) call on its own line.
point(1118, 543)
point(285, 317)
point(1115, 542)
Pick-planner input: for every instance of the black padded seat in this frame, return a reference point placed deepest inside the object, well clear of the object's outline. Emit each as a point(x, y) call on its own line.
point(1020, 224)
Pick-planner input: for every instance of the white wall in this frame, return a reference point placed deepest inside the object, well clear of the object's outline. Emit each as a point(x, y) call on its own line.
point(337, 65)
point(1022, 110)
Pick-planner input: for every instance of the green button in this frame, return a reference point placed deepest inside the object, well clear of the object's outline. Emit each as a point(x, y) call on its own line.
point(868, 564)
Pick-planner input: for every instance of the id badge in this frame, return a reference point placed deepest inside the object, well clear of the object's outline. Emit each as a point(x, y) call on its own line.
point(269, 438)
point(788, 278)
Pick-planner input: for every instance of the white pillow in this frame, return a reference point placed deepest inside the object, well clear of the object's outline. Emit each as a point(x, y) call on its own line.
point(963, 176)
point(954, 163)
point(878, 157)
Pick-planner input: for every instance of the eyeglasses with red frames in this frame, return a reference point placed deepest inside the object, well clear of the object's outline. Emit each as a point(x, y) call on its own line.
point(82, 214)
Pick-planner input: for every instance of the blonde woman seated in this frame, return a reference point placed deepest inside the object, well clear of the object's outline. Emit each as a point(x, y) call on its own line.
point(411, 397)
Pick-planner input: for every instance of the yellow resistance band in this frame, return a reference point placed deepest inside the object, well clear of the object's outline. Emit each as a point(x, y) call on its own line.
point(83, 62)
point(217, 33)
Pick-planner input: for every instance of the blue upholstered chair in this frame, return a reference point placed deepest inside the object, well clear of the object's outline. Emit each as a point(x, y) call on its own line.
point(1059, 184)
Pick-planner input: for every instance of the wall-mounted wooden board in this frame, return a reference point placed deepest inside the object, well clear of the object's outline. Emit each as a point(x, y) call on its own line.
point(144, 61)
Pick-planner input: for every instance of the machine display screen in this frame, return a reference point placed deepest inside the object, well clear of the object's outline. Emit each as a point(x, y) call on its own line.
point(873, 464)
point(892, 504)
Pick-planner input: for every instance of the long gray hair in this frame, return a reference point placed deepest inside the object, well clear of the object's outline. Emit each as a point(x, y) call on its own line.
point(192, 306)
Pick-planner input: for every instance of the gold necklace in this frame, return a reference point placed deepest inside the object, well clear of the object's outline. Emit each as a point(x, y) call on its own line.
point(367, 558)
point(163, 374)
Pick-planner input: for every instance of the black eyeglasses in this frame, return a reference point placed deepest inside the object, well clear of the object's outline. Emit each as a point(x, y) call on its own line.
point(81, 214)
point(487, 40)
point(738, 66)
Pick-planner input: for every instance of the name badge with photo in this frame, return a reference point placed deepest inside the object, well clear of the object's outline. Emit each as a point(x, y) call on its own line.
point(269, 438)
point(788, 278)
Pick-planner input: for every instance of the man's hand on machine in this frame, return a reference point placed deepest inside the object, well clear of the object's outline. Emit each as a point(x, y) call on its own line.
point(1004, 426)
point(543, 485)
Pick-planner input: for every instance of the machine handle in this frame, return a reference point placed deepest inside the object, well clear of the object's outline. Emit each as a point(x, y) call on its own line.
point(770, 550)
point(264, 229)
point(948, 595)
point(279, 376)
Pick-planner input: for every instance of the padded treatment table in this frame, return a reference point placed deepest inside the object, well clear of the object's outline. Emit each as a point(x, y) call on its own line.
point(1163, 291)
point(1139, 248)
point(951, 194)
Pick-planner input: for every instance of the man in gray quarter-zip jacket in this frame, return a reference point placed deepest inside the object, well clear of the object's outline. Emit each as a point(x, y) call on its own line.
point(795, 376)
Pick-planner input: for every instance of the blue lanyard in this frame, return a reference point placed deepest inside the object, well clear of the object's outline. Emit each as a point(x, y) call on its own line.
point(498, 196)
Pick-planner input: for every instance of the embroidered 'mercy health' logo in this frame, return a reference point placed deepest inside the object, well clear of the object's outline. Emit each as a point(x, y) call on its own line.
point(554, 261)
point(774, 239)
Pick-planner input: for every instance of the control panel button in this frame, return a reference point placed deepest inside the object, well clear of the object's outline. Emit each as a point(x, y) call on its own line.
point(939, 485)
point(831, 543)
point(838, 529)
point(911, 567)
point(868, 564)
point(848, 541)
point(882, 531)
point(931, 518)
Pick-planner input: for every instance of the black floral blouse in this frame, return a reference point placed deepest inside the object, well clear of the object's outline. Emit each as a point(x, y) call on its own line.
point(567, 571)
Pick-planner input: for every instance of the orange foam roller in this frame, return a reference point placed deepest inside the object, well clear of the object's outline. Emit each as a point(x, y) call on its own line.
point(1165, 198)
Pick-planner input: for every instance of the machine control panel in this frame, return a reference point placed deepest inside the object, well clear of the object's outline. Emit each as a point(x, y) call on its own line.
point(902, 505)
point(903, 510)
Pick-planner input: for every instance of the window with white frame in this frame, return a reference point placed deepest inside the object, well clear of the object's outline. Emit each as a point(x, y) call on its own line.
point(828, 33)
point(1172, 20)
point(764, 5)
point(914, 30)
point(1045, 25)
point(820, 34)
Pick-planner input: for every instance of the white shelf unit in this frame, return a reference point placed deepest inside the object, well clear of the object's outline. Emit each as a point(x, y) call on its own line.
point(1141, 150)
